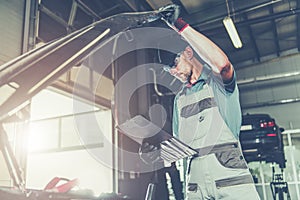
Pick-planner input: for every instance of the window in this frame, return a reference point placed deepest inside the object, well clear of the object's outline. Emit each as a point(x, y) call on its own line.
point(69, 145)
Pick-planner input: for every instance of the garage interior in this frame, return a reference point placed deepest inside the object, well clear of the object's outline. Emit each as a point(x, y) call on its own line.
point(61, 102)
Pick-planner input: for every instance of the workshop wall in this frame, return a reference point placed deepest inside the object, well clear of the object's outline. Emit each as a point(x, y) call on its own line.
point(11, 23)
point(272, 87)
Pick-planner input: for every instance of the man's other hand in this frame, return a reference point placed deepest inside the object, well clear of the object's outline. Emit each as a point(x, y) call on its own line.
point(149, 153)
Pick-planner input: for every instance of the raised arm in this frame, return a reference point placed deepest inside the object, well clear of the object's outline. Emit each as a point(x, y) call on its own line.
point(208, 51)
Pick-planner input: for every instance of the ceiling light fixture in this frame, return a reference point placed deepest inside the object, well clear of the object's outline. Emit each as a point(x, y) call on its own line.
point(231, 30)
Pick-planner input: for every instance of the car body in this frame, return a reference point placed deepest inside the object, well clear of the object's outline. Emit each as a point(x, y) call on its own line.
point(261, 139)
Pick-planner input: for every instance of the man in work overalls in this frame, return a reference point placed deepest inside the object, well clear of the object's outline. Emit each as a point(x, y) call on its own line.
point(207, 116)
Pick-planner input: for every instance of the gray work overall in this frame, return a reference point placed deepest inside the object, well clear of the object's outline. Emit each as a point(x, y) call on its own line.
point(219, 171)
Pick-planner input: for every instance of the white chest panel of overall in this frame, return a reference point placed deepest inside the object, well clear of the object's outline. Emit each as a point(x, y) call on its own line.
point(200, 122)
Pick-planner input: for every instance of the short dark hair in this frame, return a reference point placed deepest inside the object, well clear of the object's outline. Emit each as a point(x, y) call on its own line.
point(166, 57)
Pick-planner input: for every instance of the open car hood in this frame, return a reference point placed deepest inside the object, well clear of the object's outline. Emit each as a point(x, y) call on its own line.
point(26, 75)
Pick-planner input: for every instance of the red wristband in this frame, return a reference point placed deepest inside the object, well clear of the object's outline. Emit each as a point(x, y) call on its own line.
point(180, 24)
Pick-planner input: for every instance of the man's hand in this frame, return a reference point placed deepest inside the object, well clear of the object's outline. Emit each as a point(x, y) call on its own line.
point(170, 14)
point(149, 153)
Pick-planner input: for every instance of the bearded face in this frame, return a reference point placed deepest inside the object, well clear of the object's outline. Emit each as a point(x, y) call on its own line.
point(182, 68)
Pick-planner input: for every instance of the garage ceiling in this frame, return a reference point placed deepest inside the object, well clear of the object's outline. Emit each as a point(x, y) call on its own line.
point(268, 28)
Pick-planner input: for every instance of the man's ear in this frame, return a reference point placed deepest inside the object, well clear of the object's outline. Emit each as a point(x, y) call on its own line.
point(189, 53)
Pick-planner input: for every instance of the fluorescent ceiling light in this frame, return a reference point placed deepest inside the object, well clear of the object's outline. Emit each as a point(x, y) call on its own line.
point(232, 32)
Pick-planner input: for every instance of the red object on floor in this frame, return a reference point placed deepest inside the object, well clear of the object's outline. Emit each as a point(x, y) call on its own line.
point(53, 187)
